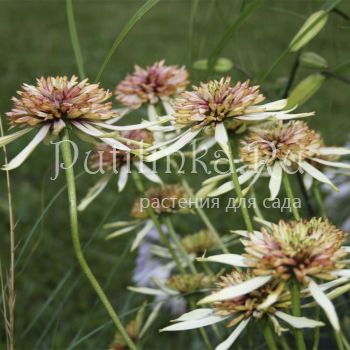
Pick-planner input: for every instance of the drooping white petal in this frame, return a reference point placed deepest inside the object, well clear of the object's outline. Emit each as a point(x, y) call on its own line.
point(308, 181)
point(196, 314)
point(142, 125)
point(245, 233)
point(216, 178)
point(122, 231)
point(121, 113)
point(25, 153)
point(221, 138)
point(229, 259)
point(325, 304)
point(346, 248)
point(275, 180)
point(94, 191)
point(140, 235)
point(318, 175)
point(332, 164)
point(229, 186)
point(148, 291)
point(123, 177)
point(271, 106)
point(237, 290)
point(186, 138)
point(339, 151)
point(193, 324)
point(282, 116)
point(147, 172)
point(206, 144)
point(298, 322)
point(4, 140)
point(90, 130)
point(152, 113)
point(225, 345)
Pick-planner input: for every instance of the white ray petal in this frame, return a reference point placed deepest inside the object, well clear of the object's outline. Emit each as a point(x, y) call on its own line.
point(168, 107)
point(325, 304)
point(293, 116)
point(142, 125)
point(216, 178)
point(318, 175)
point(225, 345)
point(206, 144)
point(94, 191)
point(245, 233)
point(221, 138)
point(298, 322)
point(152, 113)
point(193, 324)
point(148, 291)
point(228, 186)
point(339, 151)
point(141, 234)
point(122, 231)
point(271, 106)
point(186, 138)
point(333, 164)
point(237, 290)
point(342, 273)
point(147, 172)
point(123, 177)
point(25, 153)
point(196, 314)
point(4, 140)
point(346, 248)
point(229, 259)
point(275, 180)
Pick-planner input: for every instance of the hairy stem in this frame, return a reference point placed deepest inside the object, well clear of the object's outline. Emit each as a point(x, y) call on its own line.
point(67, 159)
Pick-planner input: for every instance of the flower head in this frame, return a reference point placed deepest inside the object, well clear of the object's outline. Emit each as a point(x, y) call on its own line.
point(53, 104)
point(163, 200)
point(288, 143)
point(215, 102)
point(199, 242)
point(299, 249)
point(57, 100)
point(150, 85)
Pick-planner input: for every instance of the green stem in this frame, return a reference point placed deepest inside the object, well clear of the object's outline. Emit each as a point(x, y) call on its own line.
point(319, 200)
point(157, 224)
point(290, 195)
point(238, 189)
point(179, 245)
point(339, 340)
point(317, 331)
point(269, 338)
point(67, 158)
point(296, 310)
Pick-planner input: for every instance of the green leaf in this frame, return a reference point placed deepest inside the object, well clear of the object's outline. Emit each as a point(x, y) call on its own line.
point(313, 60)
point(132, 22)
point(312, 26)
point(305, 90)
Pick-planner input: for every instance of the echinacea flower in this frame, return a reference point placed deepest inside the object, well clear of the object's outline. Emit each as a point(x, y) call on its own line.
point(212, 105)
point(55, 103)
point(268, 302)
point(274, 148)
point(165, 200)
point(305, 251)
point(109, 161)
point(157, 83)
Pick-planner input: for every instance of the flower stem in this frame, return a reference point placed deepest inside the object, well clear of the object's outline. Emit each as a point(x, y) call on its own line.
point(269, 339)
point(296, 310)
point(238, 190)
point(179, 245)
point(157, 224)
point(339, 340)
point(67, 159)
point(317, 331)
point(290, 195)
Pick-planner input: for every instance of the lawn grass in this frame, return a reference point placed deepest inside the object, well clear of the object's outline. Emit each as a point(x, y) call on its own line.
point(34, 42)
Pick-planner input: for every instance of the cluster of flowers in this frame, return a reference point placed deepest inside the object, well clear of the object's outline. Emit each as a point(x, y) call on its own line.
point(309, 254)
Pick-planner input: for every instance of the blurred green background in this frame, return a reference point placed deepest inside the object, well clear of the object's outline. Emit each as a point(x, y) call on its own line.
point(55, 306)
